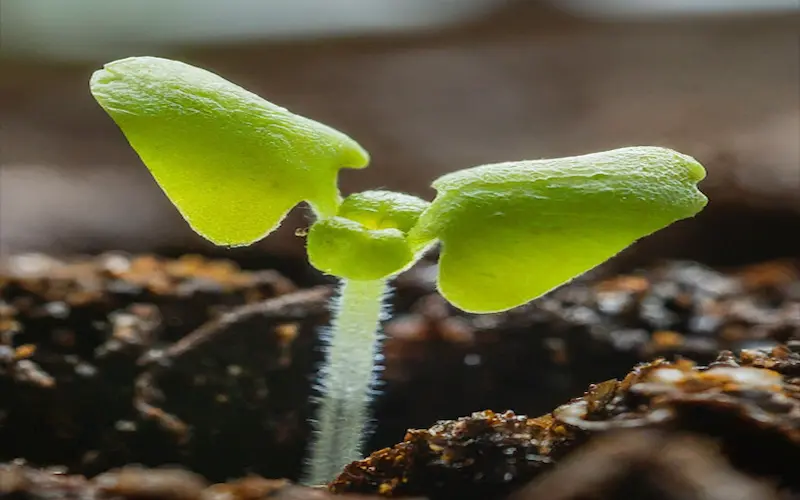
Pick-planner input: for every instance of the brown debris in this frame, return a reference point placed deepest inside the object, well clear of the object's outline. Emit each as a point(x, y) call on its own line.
point(643, 465)
point(20, 481)
point(590, 330)
point(472, 457)
point(237, 386)
point(122, 360)
point(266, 320)
point(75, 335)
point(26, 372)
point(137, 483)
point(752, 412)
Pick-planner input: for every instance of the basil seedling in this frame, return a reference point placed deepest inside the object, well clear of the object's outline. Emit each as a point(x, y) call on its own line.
point(234, 164)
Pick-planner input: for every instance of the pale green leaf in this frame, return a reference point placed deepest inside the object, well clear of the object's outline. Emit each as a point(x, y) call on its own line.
point(232, 163)
point(511, 232)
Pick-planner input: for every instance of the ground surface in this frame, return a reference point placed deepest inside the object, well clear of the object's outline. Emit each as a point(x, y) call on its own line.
point(116, 360)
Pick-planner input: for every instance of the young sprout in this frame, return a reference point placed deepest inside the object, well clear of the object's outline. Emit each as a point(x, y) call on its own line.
point(234, 165)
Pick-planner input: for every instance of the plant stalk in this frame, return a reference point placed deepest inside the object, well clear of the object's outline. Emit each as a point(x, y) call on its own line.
point(346, 379)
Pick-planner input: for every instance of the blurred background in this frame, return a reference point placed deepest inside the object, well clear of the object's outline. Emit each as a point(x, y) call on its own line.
point(427, 86)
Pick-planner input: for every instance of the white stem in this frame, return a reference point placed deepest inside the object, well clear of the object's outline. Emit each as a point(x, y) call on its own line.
point(346, 379)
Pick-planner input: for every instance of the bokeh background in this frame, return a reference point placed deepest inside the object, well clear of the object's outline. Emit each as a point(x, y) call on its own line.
point(427, 86)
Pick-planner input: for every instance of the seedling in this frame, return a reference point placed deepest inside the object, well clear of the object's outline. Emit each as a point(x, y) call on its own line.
point(234, 165)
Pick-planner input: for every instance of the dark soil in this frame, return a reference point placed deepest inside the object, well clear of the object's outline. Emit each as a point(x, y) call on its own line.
point(115, 360)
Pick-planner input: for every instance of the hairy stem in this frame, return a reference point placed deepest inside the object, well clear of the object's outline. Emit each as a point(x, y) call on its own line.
point(346, 379)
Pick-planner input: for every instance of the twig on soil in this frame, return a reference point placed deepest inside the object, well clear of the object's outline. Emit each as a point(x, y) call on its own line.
point(293, 306)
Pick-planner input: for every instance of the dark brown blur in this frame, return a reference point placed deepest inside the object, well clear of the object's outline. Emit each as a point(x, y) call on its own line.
point(525, 81)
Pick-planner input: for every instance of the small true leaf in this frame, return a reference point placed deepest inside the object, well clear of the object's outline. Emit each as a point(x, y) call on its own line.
point(511, 232)
point(383, 209)
point(367, 240)
point(347, 249)
point(232, 163)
